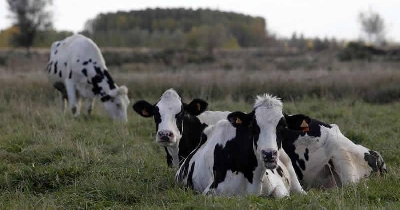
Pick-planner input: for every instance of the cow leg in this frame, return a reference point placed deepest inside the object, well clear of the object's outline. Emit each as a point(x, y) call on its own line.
point(280, 190)
point(64, 97)
point(72, 97)
point(209, 191)
point(295, 185)
point(342, 164)
point(89, 102)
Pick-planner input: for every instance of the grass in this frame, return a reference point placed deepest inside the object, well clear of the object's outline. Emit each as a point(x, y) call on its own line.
point(52, 161)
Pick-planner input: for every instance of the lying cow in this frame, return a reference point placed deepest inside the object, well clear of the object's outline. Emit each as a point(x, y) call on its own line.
point(77, 65)
point(179, 125)
point(242, 155)
point(323, 157)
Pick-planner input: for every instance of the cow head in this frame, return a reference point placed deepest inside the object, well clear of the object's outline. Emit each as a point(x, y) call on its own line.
point(265, 123)
point(168, 115)
point(116, 103)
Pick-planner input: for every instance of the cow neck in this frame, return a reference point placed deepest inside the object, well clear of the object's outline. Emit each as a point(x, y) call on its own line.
point(174, 153)
point(191, 135)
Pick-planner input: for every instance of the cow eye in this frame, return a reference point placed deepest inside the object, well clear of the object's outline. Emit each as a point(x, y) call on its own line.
point(282, 124)
point(118, 105)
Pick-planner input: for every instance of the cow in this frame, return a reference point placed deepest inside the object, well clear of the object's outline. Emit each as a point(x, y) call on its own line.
point(242, 155)
point(76, 68)
point(179, 125)
point(323, 157)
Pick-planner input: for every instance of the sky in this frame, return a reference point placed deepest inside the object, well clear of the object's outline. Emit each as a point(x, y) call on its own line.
point(313, 18)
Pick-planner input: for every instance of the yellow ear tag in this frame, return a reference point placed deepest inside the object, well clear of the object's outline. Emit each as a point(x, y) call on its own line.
point(144, 112)
point(198, 107)
point(304, 126)
point(238, 121)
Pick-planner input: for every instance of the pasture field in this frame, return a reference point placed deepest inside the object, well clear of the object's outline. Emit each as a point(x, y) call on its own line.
point(53, 161)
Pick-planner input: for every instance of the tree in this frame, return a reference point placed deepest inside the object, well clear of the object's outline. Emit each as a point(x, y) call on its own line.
point(29, 16)
point(373, 26)
point(207, 37)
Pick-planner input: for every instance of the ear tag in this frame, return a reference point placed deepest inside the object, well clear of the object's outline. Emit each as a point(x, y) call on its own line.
point(144, 112)
point(304, 126)
point(198, 107)
point(238, 121)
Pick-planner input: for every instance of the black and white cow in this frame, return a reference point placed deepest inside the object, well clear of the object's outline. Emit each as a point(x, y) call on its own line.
point(179, 125)
point(323, 157)
point(241, 155)
point(76, 65)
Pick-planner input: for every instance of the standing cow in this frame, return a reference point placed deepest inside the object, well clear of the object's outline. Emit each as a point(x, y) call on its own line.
point(77, 68)
point(323, 157)
point(242, 155)
point(179, 126)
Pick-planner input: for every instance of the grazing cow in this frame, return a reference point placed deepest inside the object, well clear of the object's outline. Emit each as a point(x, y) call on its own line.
point(323, 157)
point(241, 155)
point(179, 125)
point(77, 68)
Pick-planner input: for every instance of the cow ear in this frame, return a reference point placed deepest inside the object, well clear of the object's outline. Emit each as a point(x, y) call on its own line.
point(238, 119)
point(298, 122)
point(285, 114)
point(143, 108)
point(196, 107)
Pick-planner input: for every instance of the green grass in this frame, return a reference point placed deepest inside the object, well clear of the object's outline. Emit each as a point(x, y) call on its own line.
point(49, 160)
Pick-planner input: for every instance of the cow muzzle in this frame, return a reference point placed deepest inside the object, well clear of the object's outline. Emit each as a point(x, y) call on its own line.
point(270, 158)
point(165, 136)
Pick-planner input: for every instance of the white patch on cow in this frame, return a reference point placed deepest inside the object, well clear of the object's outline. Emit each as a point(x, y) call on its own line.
point(233, 186)
point(76, 58)
point(169, 105)
point(268, 112)
point(212, 117)
point(274, 184)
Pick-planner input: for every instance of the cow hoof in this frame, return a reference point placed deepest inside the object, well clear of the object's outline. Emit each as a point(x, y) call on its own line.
point(74, 111)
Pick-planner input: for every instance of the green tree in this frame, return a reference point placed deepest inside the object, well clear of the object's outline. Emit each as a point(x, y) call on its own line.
point(207, 37)
point(373, 25)
point(166, 27)
point(29, 16)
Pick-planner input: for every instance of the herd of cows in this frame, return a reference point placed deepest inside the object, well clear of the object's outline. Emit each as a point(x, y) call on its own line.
point(263, 151)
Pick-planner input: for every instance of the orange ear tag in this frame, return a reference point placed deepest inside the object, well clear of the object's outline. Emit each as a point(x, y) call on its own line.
point(238, 121)
point(304, 126)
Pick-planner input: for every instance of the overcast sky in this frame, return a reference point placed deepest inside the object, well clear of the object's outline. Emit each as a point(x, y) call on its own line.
point(313, 18)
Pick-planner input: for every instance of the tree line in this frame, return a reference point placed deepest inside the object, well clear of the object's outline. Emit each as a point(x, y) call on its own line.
point(175, 28)
point(166, 28)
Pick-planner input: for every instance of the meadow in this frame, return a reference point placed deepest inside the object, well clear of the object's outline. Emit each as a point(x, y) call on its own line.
point(54, 161)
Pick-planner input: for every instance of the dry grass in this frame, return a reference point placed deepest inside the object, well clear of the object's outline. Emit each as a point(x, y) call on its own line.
point(371, 85)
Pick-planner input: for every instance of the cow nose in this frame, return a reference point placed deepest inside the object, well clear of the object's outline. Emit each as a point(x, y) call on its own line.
point(165, 136)
point(269, 156)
